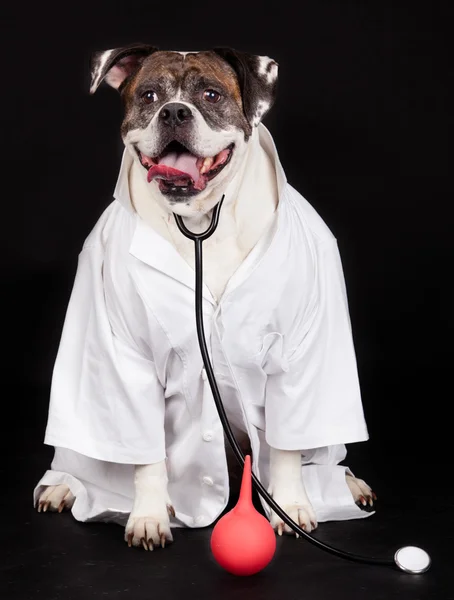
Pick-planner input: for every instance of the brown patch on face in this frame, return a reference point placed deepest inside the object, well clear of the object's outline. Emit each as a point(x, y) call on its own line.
point(160, 66)
point(211, 65)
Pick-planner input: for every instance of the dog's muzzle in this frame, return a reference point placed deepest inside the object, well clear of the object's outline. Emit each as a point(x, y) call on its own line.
point(177, 170)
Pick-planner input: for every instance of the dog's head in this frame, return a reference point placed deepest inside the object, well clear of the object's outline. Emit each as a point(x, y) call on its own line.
point(188, 115)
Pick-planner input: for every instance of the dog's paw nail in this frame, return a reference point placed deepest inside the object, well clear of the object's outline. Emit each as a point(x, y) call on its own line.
point(280, 529)
point(170, 510)
point(297, 535)
point(130, 536)
point(46, 506)
point(374, 496)
point(314, 525)
point(144, 544)
point(150, 545)
point(61, 507)
point(40, 507)
point(363, 500)
point(163, 540)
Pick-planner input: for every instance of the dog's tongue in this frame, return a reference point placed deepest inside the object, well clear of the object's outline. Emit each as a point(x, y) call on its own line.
point(174, 166)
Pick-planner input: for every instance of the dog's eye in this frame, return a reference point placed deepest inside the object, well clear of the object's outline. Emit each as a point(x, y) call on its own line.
point(211, 96)
point(149, 97)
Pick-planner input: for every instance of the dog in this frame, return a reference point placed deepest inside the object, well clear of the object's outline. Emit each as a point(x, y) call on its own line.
point(193, 134)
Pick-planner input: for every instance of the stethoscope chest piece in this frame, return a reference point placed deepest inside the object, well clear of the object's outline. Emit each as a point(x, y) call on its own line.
point(412, 559)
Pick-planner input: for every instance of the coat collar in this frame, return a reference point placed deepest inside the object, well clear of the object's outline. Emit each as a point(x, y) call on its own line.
point(151, 248)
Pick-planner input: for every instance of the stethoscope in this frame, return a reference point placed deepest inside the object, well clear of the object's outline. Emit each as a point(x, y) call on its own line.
point(410, 559)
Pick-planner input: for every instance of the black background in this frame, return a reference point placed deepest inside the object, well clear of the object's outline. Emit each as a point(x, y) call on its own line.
point(361, 124)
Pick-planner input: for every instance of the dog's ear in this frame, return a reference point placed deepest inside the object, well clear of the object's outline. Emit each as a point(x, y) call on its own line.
point(116, 65)
point(257, 76)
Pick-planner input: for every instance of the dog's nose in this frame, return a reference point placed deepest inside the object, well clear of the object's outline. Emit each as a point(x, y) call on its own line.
point(175, 114)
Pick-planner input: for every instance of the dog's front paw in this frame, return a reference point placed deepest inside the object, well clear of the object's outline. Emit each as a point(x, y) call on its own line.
point(151, 530)
point(55, 498)
point(287, 489)
point(296, 504)
point(362, 494)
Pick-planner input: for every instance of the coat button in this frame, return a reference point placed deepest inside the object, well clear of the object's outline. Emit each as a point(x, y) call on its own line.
point(208, 436)
point(207, 480)
point(204, 375)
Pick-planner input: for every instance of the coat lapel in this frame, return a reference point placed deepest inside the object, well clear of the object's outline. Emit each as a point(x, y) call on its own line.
point(152, 249)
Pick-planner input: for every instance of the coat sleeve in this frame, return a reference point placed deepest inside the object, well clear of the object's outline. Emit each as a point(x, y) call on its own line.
point(315, 400)
point(106, 400)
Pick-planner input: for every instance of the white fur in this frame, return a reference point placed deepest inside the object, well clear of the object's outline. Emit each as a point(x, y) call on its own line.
point(262, 107)
point(149, 524)
point(270, 75)
point(287, 489)
point(55, 498)
point(361, 492)
point(184, 54)
point(97, 77)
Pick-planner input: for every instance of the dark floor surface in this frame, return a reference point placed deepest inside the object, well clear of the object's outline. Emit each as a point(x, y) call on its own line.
point(53, 557)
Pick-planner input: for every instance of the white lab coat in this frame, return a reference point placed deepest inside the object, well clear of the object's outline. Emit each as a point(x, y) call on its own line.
point(129, 385)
